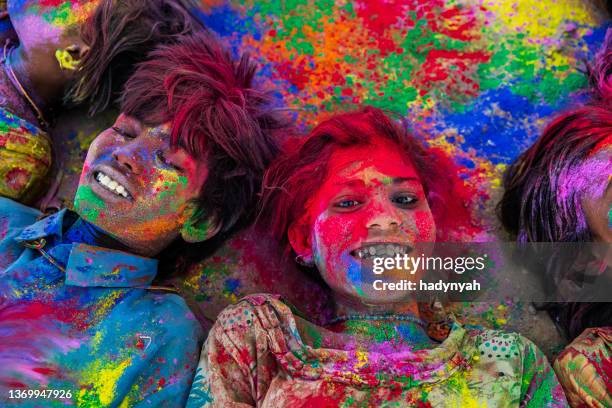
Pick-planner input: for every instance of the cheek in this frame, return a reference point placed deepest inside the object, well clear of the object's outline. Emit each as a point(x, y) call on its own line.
point(425, 226)
point(336, 233)
point(168, 191)
point(333, 237)
point(152, 228)
point(102, 145)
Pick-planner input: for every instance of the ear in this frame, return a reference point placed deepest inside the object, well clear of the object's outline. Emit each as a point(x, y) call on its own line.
point(70, 57)
point(299, 239)
point(197, 231)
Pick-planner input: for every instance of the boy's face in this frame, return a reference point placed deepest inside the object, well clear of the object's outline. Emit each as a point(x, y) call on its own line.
point(138, 188)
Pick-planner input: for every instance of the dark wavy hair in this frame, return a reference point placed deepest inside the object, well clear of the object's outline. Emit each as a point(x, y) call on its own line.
point(544, 188)
point(120, 34)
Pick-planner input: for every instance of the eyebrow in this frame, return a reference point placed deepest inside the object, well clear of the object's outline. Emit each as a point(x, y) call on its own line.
point(400, 180)
point(394, 181)
point(166, 138)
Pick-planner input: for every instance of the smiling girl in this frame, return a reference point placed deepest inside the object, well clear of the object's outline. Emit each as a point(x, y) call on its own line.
point(356, 187)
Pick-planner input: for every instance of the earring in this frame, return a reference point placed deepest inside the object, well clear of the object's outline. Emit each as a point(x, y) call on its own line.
point(66, 61)
point(302, 261)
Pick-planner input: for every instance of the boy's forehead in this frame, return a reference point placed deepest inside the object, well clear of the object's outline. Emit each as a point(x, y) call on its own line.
point(60, 13)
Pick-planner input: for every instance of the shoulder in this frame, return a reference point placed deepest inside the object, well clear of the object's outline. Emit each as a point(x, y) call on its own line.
point(170, 311)
point(500, 344)
point(581, 368)
point(14, 217)
point(591, 348)
point(18, 215)
point(509, 347)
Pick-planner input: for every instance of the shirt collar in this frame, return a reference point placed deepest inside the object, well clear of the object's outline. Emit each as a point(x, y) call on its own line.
point(88, 265)
point(48, 226)
point(95, 266)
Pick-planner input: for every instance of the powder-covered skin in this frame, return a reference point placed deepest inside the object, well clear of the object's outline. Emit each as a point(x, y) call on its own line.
point(370, 195)
point(159, 181)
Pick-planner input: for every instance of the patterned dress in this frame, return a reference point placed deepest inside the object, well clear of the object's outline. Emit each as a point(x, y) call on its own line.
point(81, 323)
point(255, 356)
point(584, 369)
point(25, 157)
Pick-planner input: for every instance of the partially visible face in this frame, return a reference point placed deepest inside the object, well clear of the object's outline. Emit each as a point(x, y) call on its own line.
point(44, 27)
point(598, 204)
point(136, 187)
point(371, 204)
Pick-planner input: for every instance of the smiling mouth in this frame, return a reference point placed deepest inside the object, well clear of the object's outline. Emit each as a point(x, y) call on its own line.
point(381, 250)
point(111, 184)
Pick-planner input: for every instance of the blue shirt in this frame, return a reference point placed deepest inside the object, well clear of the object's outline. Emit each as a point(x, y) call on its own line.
point(80, 320)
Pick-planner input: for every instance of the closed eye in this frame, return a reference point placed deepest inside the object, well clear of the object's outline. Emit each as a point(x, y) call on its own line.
point(122, 132)
point(163, 160)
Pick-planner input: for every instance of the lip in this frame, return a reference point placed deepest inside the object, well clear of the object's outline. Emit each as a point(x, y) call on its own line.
point(398, 247)
point(116, 175)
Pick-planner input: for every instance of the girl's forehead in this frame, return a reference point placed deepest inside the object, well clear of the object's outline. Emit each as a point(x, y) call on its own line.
point(367, 162)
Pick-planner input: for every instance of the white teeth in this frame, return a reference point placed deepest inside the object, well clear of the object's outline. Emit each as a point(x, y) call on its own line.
point(111, 185)
point(381, 250)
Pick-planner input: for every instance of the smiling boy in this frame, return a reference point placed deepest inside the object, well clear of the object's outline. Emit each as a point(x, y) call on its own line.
point(78, 313)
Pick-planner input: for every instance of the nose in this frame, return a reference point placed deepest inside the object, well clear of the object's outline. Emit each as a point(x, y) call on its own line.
point(385, 217)
point(128, 158)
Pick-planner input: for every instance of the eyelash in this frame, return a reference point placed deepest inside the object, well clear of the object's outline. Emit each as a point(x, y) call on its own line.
point(347, 204)
point(339, 204)
point(413, 200)
point(122, 133)
point(160, 156)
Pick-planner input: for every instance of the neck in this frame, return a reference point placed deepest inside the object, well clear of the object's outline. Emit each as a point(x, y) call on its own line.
point(345, 305)
point(44, 91)
point(373, 324)
point(87, 233)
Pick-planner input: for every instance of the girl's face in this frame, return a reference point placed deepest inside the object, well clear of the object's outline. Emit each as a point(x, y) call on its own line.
point(372, 204)
point(138, 188)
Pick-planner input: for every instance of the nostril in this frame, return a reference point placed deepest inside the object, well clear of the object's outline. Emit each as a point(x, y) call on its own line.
point(124, 161)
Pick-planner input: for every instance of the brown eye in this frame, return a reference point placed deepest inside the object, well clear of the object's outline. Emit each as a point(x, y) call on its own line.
point(347, 203)
point(404, 200)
